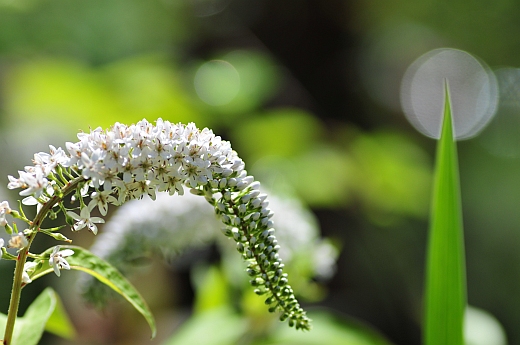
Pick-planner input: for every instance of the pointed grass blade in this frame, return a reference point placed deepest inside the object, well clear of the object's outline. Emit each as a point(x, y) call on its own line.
point(445, 298)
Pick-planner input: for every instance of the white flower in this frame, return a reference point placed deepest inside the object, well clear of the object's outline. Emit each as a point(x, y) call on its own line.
point(84, 219)
point(1, 246)
point(34, 181)
point(49, 161)
point(57, 259)
point(101, 200)
point(4, 210)
point(28, 266)
point(15, 182)
point(18, 241)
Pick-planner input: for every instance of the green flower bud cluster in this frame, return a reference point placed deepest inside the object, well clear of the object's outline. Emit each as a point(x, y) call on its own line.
point(248, 222)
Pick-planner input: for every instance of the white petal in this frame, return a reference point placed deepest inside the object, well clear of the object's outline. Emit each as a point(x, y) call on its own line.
point(66, 252)
point(73, 215)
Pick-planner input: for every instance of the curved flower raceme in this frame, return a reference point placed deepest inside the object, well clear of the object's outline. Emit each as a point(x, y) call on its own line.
point(127, 162)
point(168, 227)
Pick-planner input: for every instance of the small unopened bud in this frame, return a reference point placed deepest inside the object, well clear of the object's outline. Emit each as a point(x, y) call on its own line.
point(254, 193)
point(255, 185)
point(245, 198)
point(221, 207)
point(225, 219)
point(223, 183)
point(227, 195)
point(196, 191)
point(226, 172)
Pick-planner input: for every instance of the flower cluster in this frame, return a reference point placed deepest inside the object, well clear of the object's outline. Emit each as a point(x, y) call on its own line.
point(128, 162)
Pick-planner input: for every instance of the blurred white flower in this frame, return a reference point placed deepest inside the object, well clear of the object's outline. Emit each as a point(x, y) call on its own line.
point(18, 241)
point(4, 210)
point(174, 225)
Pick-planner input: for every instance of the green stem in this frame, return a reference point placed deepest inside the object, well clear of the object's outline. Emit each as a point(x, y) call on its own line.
point(15, 296)
point(22, 258)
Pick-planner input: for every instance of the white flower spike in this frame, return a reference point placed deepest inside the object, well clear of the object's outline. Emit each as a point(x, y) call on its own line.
point(130, 162)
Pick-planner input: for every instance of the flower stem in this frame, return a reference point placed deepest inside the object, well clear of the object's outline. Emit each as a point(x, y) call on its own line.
point(22, 258)
point(15, 295)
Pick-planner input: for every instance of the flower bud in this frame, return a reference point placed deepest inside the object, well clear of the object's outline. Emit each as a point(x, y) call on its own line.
point(255, 185)
point(214, 183)
point(226, 172)
point(223, 183)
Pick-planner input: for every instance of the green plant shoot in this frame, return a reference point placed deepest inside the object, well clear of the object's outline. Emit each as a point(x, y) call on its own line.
point(445, 299)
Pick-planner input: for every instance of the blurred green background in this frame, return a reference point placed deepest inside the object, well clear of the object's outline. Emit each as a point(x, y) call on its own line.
point(307, 91)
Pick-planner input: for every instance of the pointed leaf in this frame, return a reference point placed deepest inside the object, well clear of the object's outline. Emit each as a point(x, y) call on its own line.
point(83, 260)
point(445, 272)
point(29, 328)
point(59, 322)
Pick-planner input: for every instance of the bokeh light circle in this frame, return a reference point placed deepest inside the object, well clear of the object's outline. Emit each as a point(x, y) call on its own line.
point(473, 92)
point(217, 82)
point(501, 137)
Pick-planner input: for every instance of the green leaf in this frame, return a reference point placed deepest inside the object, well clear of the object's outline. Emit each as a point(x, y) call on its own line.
point(85, 261)
point(59, 322)
point(445, 273)
point(29, 328)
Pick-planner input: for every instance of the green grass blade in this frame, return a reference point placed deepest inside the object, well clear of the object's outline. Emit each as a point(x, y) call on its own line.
point(445, 272)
